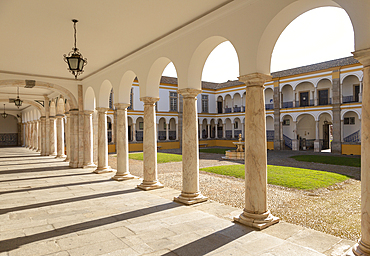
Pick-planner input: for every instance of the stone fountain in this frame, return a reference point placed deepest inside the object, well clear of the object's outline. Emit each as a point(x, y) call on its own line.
point(237, 154)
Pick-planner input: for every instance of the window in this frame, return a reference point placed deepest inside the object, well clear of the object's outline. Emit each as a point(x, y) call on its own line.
point(165, 126)
point(110, 99)
point(349, 120)
point(286, 122)
point(141, 125)
point(173, 101)
point(131, 96)
point(204, 103)
point(236, 125)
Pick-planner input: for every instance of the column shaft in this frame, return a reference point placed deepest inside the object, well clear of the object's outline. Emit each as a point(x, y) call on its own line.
point(150, 146)
point(73, 131)
point(256, 213)
point(363, 246)
point(190, 193)
point(102, 142)
point(68, 137)
point(88, 140)
point(60, 136)
point(53, 148)
point(123, 172)
point(43, 136)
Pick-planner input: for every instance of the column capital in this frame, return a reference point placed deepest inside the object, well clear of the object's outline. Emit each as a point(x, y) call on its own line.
point(254, 79)
point(122, 106)
point(363, 56)
point(102, 110)
point(149, 100)
point(88, 112)
point(52, 117)
point(189, 92)
point(59, 116)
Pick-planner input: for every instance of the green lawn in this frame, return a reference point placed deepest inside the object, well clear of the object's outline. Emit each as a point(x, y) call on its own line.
point(285, 176)
point(337, 160)
point(161, 157)
point(215, 150)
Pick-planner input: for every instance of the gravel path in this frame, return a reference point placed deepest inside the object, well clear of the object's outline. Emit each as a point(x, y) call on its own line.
point(334, 210)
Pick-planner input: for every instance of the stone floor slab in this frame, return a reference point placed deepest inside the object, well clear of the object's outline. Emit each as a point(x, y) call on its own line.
point(66, 211)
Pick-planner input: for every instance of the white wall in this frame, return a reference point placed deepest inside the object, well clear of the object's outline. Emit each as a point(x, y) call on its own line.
point(306, 127)
point(347, 85)
point(9, 124)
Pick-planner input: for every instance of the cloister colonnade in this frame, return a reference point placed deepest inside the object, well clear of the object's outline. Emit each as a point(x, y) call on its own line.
point(187, 46)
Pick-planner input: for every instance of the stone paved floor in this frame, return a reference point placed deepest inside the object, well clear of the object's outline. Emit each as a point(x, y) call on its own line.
point(47, 208)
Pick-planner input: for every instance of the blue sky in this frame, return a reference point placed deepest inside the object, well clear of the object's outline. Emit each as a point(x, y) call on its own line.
point(318, 35)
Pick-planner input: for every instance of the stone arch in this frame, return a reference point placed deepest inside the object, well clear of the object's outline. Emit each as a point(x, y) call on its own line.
point(154, 77)
point(277, 25)
point(125, 86)
point(31, 102)
point(39, 84)
point(286, 115)
point(199, 58)
point(104, 94)
point(350, 110)
point(90, 100)
point(324, 112)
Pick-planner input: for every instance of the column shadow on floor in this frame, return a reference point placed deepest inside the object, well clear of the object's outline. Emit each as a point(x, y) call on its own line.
point(55, 186)
point(43, 169)
point(211, 242)
point(68, 200)
point(53, 162)
point(48, 177)
point(14, 243)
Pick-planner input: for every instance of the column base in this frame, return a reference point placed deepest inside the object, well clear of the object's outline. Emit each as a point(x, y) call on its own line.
point(53, 154)
point(72, 165)
point(361, 249)
point(66, 160)
point(150, 185)
point(105, 169)
point(258, 221)
point(121, 177)
point(190, 198)
point(317, 146)
point(61, 156)
point(90, 165)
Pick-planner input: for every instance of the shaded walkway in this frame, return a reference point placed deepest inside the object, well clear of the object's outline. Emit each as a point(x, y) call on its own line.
point(48, 208)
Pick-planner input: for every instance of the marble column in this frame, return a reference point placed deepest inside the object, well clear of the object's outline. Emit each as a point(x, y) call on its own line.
point(224, 131)
point(43, 136)
point(342, 131)
point(102, 142)
point(73, 131)
point(88, 140)
point(177, 131)
point(36, 137)
point(200, 131)
point(209, 130)
point(363, 246)
point(167, 131)
point(255, 214)
point(216, 130)
point(27, 135)
point(32, 137)
point(68, 137)
point(243, 130)
point(317, 140)
point(123, 172)
point(39, 136)
point(53, 146)
point(316, 101)
point(60, 136)
point(150, 146)
point(232, 131)
point(133, 126)
point(190, 193)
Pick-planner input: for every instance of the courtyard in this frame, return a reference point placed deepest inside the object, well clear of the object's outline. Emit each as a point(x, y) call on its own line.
point(49, 208)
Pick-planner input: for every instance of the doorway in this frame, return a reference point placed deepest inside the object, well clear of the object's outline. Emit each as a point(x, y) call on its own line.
point(303, 97)
point(326, 136)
